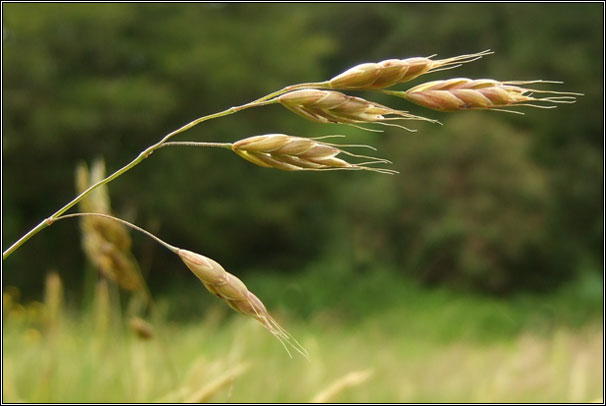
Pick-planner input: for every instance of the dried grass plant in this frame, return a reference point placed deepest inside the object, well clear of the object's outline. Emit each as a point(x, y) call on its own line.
point(106, 243)
point(105, 238)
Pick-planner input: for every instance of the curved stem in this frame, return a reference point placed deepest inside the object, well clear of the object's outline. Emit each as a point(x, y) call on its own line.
point(147, 152)
point(146, 290)
point(24, 238)
point(126, 223)
point(224, 145)
point(321, 85)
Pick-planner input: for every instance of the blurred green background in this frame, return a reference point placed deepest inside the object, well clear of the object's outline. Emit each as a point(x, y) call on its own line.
point(493, 229)
point(489, 202)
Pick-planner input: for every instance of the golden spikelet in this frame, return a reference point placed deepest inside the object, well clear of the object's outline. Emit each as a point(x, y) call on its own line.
point(105, 242)
point(393, 71)
point(290, 153)
point(329, 106)
point(464, 94)
point(234, 292)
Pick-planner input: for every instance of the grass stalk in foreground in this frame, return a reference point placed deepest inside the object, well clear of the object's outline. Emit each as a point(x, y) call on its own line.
point(220, 283)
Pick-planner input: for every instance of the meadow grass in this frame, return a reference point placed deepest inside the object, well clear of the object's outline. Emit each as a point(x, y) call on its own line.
point(429, 346)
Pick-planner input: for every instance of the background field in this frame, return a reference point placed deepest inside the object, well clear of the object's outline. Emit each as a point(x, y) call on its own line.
point(425, 346)
point(476, 274)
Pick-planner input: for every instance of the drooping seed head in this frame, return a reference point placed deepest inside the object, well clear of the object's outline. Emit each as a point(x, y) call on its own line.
point(329, 106)
point(234, 292)
point(208, 271)
point(251, 305)
point(231, 289)
point(463, 94)
point(393, 71)
point(290, 153)
point(217, 280)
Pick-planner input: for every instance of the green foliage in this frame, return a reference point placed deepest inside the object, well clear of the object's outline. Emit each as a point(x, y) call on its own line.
point(488, 202)
point(476, 218)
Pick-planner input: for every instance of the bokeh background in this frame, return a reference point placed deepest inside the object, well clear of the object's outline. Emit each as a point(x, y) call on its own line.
point(492, 232)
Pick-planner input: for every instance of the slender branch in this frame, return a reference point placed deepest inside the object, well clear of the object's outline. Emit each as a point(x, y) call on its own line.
point(119, 220)
point(263, 101)
point(43, 224)
point(315, 85)
point(147, 152)
point(224, 145)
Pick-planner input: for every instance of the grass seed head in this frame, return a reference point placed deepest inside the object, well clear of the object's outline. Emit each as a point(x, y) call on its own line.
point(393, 71)
point(234, 292)
point(464, 94)
point(207, 270)
point(290, 153)
point(222, 284)
point(329, 106)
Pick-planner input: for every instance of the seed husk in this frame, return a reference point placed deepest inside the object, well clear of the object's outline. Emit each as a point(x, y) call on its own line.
point(464, 94)
point(390, 72)
point(291, 153)
point(329, 106)
point(234, 292)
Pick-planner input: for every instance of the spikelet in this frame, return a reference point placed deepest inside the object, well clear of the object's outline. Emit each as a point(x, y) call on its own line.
point(105, 242)
point(290, 153)
point(463, 94)
point(329, 106)
point(234, 292)
point(393, 71)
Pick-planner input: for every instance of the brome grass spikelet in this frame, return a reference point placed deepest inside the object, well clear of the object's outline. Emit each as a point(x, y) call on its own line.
point(464, 94)
point(290, 153)
point(329, 106)
point(393, 71)
point(234, 292)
